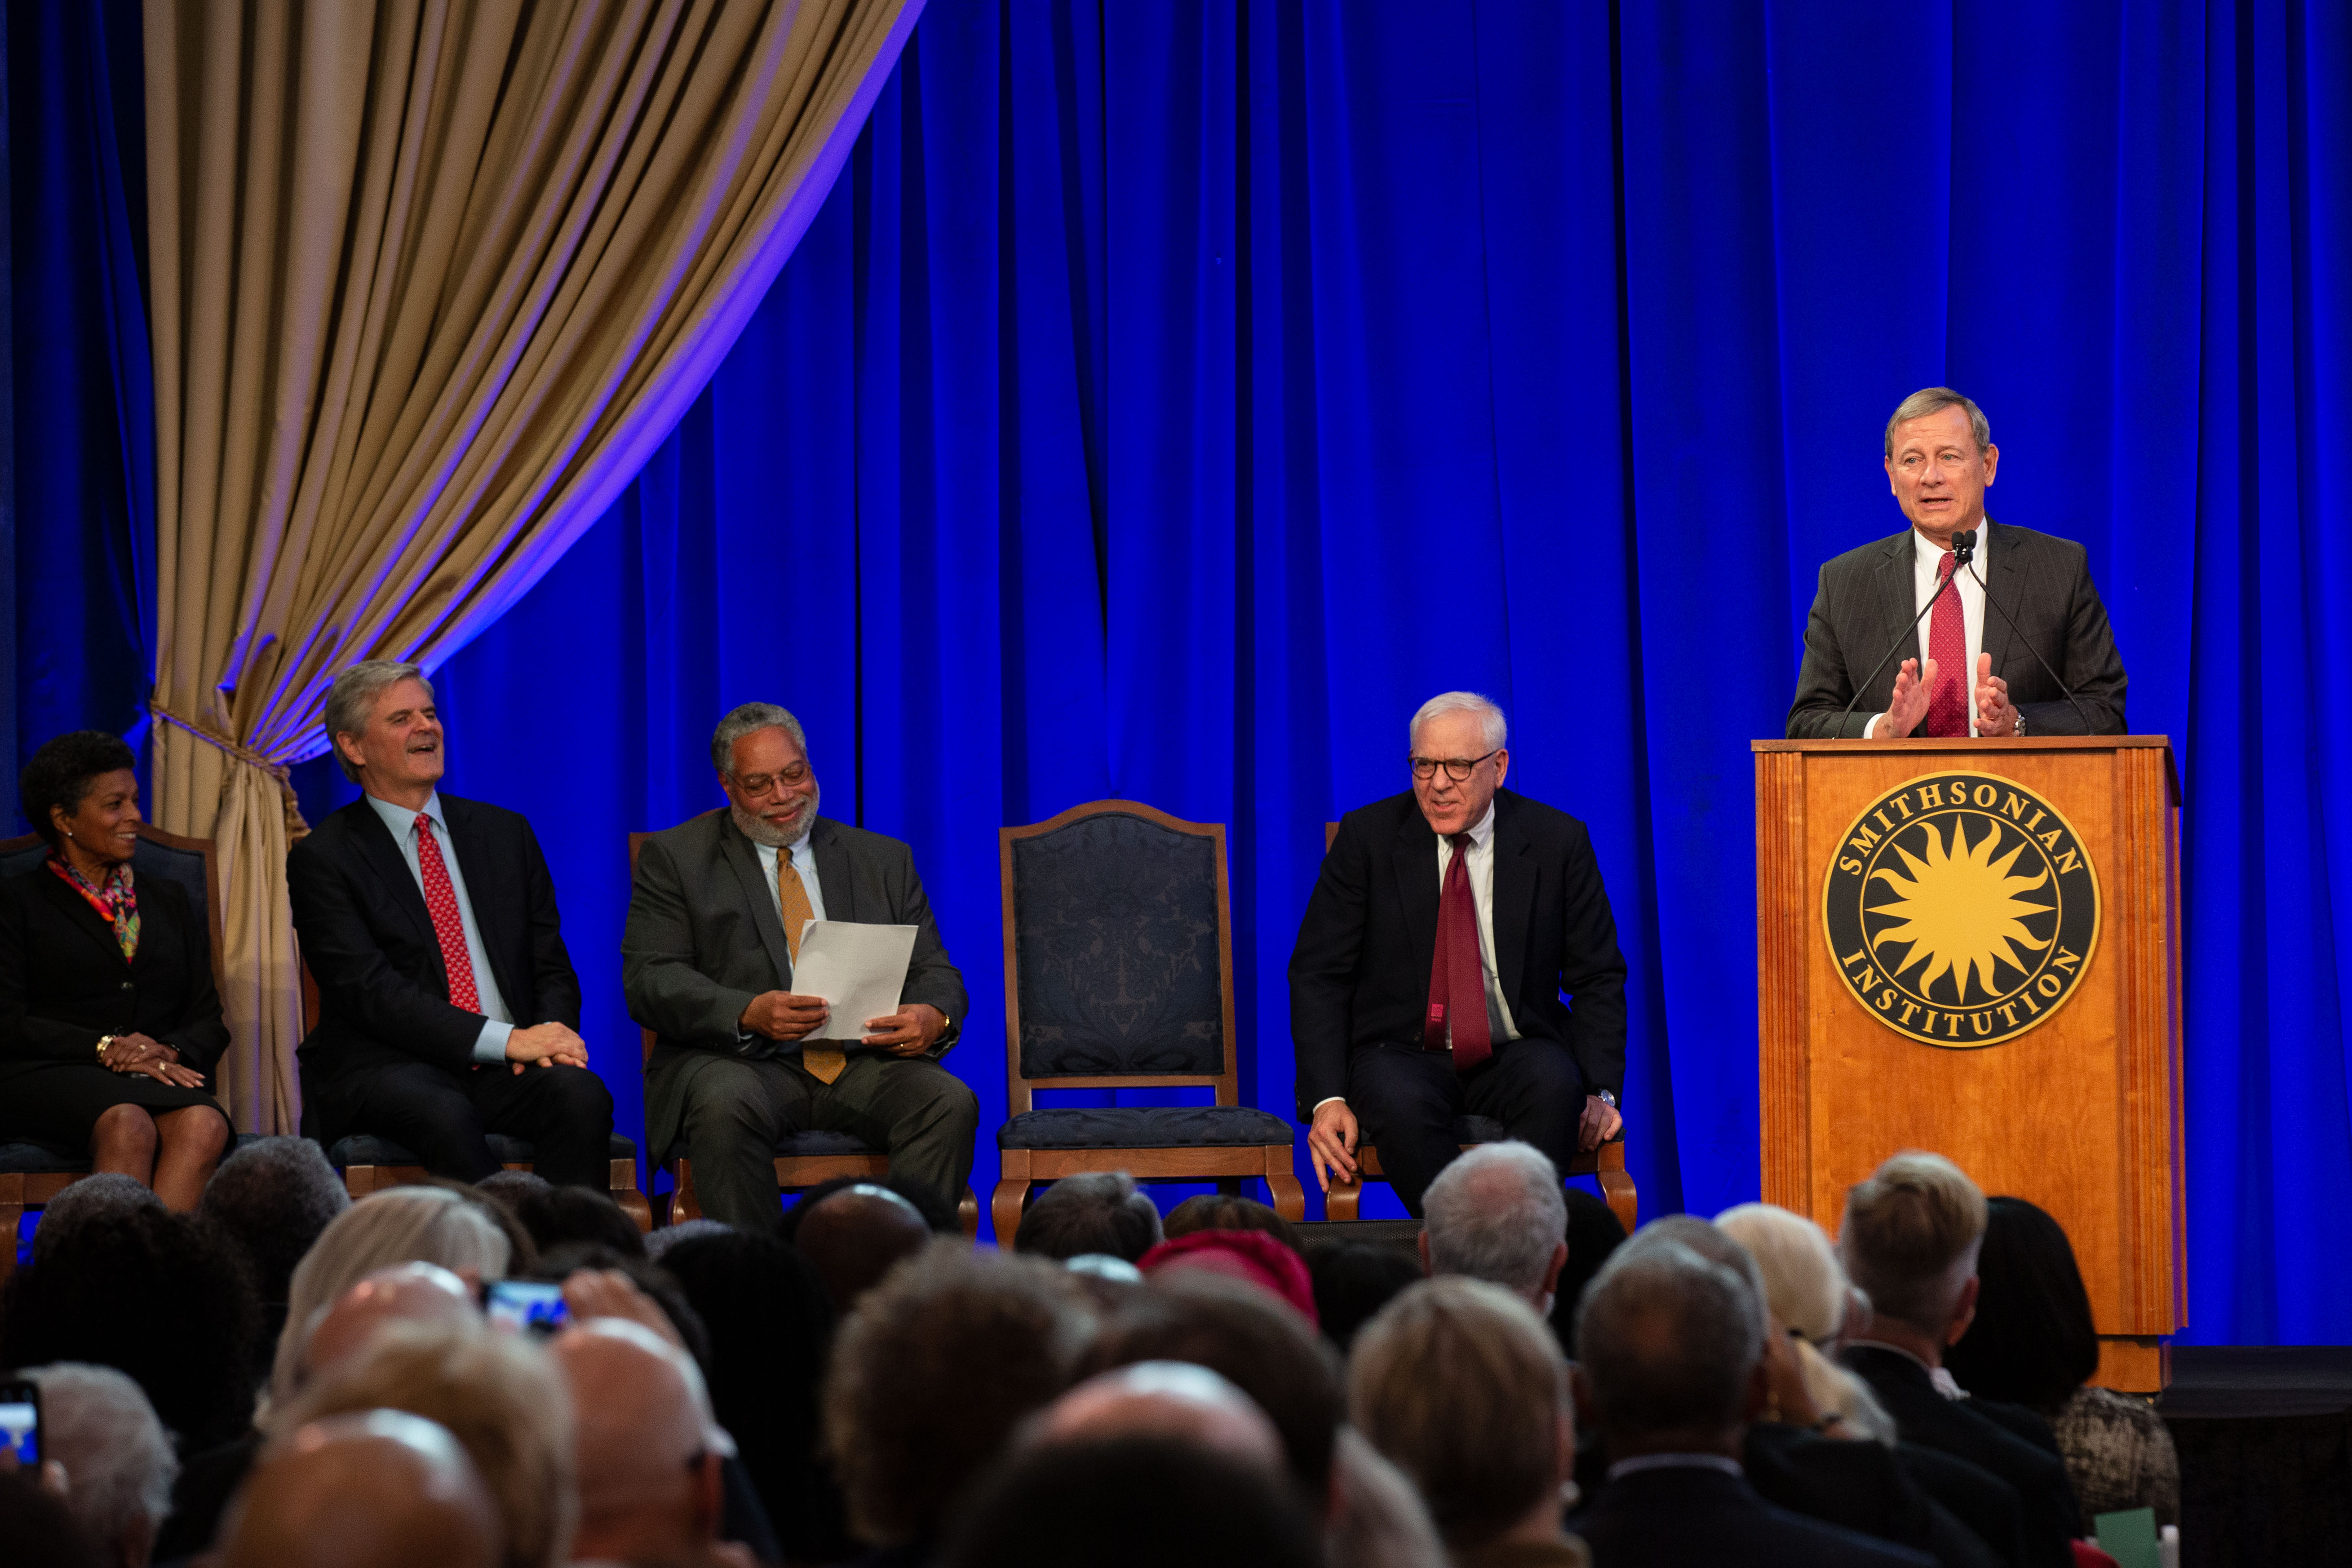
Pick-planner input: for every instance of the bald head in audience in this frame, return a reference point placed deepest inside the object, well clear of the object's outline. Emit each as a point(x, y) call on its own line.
point(403, 1293)
point(650, 1482)
point(378, 1489)
point(855, 1235)
point(1163, 1399)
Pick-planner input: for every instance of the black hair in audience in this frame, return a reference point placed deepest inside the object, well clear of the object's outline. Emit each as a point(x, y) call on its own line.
point(771, 1328)
point(1593, 1233)
point(161, 1296)
point(272, 1198)
point(1141, 1502)
point(1225, 1211)
point(559, 1216)
point(1353, 1280)
point(62, 772)
point(1093, 1212)
point(38, 1528)
point(936, 1214)
point(2031, 1341)
point(1245, 1336)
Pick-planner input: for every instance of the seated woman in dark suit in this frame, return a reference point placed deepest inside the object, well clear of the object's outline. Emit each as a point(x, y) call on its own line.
point(110, 1023)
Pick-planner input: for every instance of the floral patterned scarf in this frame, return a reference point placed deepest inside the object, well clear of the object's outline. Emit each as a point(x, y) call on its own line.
point(116, 903)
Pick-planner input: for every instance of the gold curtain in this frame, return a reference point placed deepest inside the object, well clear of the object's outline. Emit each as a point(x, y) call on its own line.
point(430, 279)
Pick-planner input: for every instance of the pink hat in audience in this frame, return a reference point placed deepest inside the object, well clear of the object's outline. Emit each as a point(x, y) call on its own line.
point(1250, 1257)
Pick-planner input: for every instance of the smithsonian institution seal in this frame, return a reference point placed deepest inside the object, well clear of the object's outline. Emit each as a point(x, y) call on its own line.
point(1961, 910)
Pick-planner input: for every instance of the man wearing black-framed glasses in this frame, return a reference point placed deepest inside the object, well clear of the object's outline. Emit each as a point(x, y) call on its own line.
point(1457, 956)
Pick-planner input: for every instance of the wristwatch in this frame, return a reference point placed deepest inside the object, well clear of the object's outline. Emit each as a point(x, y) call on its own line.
point(1607, 1097)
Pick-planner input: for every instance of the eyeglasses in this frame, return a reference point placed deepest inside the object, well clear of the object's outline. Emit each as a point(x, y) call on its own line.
point(757, 785)
point(1458, 769)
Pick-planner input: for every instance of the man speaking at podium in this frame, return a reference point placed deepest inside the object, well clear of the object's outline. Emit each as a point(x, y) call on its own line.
point(2046, 664)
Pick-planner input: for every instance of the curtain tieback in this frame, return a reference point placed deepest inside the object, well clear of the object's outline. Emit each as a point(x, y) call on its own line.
point(295, 826)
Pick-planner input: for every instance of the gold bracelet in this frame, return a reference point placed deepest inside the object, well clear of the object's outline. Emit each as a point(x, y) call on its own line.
point(104, 1041)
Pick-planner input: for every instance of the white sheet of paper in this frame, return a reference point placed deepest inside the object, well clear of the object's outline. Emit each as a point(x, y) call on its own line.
point(858, 968)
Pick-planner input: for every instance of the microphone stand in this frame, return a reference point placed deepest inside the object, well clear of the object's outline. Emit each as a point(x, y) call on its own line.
point(1964, 550)
point(2036, 652)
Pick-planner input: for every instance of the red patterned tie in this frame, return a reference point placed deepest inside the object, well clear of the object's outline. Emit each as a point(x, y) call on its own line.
point(442, 900)
point(1947, 645)
point(1457, 974)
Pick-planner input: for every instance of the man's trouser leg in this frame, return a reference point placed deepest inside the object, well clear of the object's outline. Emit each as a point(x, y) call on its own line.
point(735, 1112)
point(1405, 1102)
point(914, 1108)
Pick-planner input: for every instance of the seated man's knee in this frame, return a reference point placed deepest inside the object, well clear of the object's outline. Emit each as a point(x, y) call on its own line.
point(583, 1094)
point(732, 1109)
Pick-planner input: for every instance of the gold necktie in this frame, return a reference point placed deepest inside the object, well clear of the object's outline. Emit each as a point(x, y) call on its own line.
point(823, 1063)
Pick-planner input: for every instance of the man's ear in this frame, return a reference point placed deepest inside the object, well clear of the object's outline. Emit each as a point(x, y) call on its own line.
point(711, 1497)
point(351, 753)
point(1760, 1391)
point(1579, 1388)
point(1964, 1310)
point(1551, 1271)
point(1422, 1241)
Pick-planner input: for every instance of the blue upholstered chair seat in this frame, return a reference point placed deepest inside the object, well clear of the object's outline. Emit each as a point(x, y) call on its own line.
point(366, 1149)
point(32, 1159)
point(1143, 1127)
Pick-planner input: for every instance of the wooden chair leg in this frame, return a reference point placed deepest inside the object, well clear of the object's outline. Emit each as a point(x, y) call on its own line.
point(359, 1180)
point(622, 1182)
point(967, 1215)
point(1340, 1202)
point(1617, 1190)
point(1282, 1185)
point(1004, 1208)
point(683, 1203)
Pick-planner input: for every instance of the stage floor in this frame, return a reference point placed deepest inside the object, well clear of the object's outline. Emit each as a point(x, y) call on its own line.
point(2265, 1440)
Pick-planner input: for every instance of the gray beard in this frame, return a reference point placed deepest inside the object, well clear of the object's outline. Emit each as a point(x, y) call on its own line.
point(755, 828)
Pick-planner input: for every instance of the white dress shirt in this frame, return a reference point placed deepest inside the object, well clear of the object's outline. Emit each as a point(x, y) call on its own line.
point(1481, 867)
point(498, 1023)
point(1927, 568)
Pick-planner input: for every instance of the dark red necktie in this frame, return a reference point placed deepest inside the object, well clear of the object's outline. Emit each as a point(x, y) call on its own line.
point(1947, 645)
point(1458, 975)
point(442, 900)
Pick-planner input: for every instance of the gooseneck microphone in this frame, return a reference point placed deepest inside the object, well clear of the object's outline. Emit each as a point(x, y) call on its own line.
point(1964, 550)
point(2036, 652)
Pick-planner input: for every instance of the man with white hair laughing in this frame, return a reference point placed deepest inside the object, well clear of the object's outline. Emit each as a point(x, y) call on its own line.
point(1456, 956)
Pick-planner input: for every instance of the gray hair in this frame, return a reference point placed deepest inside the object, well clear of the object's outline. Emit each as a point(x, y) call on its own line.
point(748, 720)
point(275, 1197)
point(1803, 1283)
point(1090, 1213)
point(1493, 731)
point(1667, 1340)
point(1717, 1247)
point(117, 1459)
point(1935, 400)
point(352, 698)
point(1496, 1214)
point(94, 1199)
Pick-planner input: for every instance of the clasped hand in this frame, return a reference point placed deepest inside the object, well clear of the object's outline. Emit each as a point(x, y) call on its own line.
point(149, 1057)
point(548, 1045)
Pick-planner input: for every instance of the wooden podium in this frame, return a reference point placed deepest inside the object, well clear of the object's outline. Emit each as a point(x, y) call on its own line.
point(2055, 1074)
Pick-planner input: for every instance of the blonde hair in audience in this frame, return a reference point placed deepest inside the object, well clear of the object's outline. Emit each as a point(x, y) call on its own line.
point(404, 1225)
point(1910, 1237)
point(1803, 1284)
point(1462, 1386)
point(500, 1395)
point(1837, 1391)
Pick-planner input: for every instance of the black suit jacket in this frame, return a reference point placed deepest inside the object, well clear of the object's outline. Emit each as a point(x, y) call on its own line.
point(1359, 972)
point(1868, 596)
point(703, 940)
point(1672, 1518)
point(2007, 1440)
point(1862, 1487)
point(368, 939)
point(64, 981)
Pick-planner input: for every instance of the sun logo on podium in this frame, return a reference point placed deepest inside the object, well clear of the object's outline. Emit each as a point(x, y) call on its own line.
point(1961, 910)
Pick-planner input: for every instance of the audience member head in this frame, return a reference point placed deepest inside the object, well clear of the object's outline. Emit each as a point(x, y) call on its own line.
point(1713, 1244)
point(1227, 1211)
point(855, 1234)
point(1803, 1284)
point(1140, 1501)
point(1164, 1399)
point(403, 1293)
point(274, 1198)
point(658, 1245)
point(1377, 1520)
point(40, 1530)
point(1107, 1281)
point(559, 1217)
point(377, 1488)
point(933, 1373)
point(650, 1483)
point(119, 1463)
point(938, 1213)
point(1095, 1212)
point(498, 1393)
point(657, 1286)
point(1594, 1234)
point(769, 1327)
point(1496, 1214)
point(1254, 1257)
point(2031, 1341)
point(403, 1224)
point(508, 1189)
point(97, 1295)
point(1235, 1330)
point(1670, 1349)
point(1910, 1238)
point(1354, 1280)
point(94, 1199)
point(1461, 1384)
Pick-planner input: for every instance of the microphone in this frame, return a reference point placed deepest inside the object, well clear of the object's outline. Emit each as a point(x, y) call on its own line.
point(2036, 652)
point(1964, 550)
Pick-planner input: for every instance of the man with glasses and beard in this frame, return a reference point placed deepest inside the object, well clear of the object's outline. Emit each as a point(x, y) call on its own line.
point(715, 926)
point(1457, 957)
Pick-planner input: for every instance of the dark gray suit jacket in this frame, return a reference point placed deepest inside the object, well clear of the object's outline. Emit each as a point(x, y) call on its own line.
point(703, 940)
point(1868, 595)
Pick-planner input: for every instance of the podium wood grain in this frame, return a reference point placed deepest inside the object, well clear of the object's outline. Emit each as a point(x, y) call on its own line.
point(2081, 1115)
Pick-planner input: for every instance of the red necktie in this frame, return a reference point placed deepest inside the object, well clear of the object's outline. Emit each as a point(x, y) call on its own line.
point(1947, 645)
point(1458, 975)
point(442, 900)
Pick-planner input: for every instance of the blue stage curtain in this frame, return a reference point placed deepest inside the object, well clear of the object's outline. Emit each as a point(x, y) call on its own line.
point(83, 423)
point(1172, 397)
